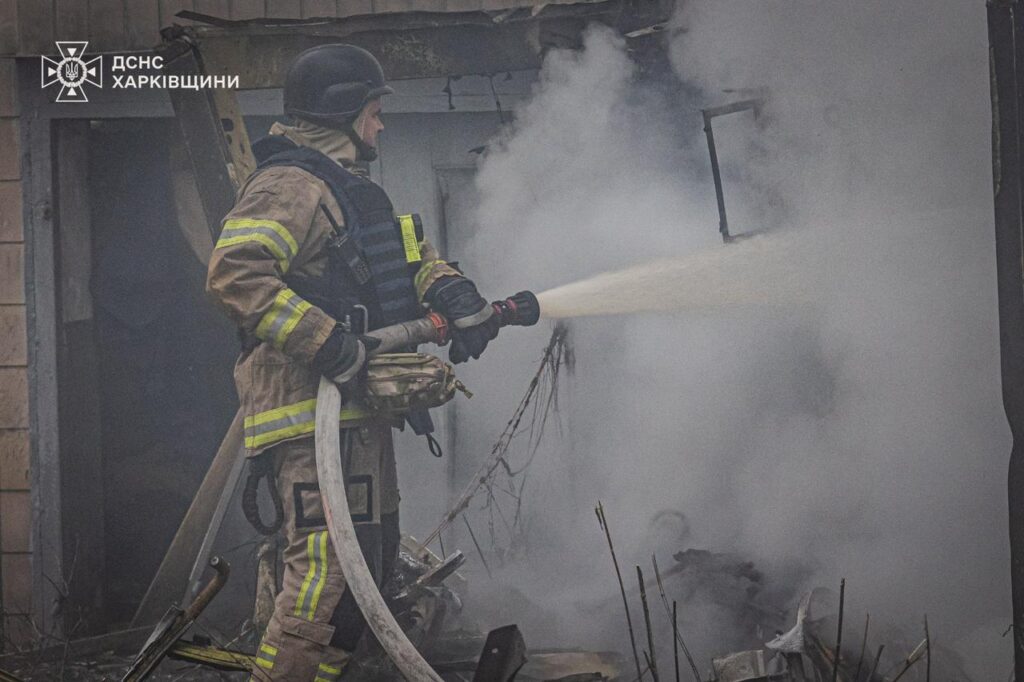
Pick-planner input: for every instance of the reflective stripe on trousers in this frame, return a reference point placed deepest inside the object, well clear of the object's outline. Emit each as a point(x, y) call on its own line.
point(282, 423)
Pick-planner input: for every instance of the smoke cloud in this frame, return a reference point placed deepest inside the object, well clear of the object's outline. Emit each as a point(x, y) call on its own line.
point(858, 436)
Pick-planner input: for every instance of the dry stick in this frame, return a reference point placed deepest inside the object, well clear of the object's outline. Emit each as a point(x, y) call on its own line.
point(839, 630)
point(647, 622)
point(874, 668)
point(863, 647)
point(599, 510)
point(678, 636)
point(913, 658)
point(928, 651)
point(478, 550)
point(675, 636)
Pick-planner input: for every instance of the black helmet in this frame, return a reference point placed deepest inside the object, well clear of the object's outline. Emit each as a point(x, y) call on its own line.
point(330, 84)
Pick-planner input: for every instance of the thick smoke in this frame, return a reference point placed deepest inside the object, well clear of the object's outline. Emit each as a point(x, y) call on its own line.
point(859, 437)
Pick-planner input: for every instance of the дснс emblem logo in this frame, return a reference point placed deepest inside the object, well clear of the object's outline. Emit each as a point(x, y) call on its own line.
point(72, 71)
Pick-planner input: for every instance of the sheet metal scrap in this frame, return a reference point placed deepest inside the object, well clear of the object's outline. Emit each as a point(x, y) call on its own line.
point(504, 653)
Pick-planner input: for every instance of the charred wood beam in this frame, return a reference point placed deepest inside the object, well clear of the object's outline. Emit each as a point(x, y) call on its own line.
point(1006, 30)
point(212, 127)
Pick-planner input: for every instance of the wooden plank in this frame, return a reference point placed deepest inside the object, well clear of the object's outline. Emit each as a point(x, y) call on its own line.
point(8, 84)
point(35, 27)
point(284, 9)
point(71, 18)
point(11, 211)
point(12, 273)
point(47, 548)
point(215, 8)
point(8, 27)
point(13, 398)
point(248, 9)
point(15, 521)
point(14, 470)
point(142, 24)
point(351, 8)
point(13, 345)
point(10, 166)
point(17, 572)
point(319, 8)
point(107, 25)
point(18, 630)
point(462, 5)
point(409, 5)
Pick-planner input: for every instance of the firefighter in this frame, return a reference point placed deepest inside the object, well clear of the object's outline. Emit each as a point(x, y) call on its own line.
point(310, 257)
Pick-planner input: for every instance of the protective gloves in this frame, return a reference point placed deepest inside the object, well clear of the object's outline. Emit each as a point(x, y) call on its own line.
point(343, 355)
point(473, 321)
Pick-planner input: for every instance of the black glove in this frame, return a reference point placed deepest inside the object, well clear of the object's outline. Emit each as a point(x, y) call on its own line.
point(470, 342)
point(343, 355)
point(472, 319)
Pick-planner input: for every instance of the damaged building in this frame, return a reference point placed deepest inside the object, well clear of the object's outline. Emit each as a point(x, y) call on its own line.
point(120, 431)
point(116, 389)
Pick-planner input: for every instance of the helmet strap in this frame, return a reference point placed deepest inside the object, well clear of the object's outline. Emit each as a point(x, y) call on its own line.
point(364, 152)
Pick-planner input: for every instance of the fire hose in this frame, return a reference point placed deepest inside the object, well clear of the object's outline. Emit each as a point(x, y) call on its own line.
point(520, 310)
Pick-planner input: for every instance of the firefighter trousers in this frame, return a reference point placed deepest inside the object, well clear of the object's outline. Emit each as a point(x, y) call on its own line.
point(316, 623)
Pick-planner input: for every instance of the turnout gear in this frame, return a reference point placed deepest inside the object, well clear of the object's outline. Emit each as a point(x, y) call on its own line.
point(330, 84)
point(390, 246)
point(274, 245)
point(298, 267)
point(344, 355)
point(473, 320)
point(316, 624)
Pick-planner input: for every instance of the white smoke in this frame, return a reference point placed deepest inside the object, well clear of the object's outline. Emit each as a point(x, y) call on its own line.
point(862, 438)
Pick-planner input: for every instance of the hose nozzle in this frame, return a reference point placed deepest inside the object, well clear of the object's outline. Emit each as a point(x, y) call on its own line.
point(521, 310)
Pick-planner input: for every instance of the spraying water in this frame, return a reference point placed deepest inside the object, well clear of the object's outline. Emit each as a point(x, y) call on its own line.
point(755, 271)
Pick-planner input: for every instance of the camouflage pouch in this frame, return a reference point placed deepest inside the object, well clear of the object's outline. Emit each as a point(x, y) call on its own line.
point(398, 382)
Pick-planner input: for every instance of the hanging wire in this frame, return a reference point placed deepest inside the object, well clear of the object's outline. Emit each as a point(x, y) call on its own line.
point(496, 474)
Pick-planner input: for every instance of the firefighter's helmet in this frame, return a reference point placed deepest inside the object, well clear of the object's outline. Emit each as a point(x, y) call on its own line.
point(330, 84)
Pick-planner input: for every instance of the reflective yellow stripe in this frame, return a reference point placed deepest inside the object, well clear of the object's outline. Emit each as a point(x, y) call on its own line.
point(269, 233)
point(327, 673)
point(244, 224)
point(409, 241)
point(280, 321)
point(425, 270)
point(265, 656)
point(311, 549)
point(289, 421)
point(323, 578)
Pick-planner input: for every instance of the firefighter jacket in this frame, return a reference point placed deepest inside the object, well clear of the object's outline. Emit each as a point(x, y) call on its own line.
point(279, 228)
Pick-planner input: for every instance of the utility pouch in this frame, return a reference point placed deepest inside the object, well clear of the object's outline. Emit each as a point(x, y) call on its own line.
point(399, 382)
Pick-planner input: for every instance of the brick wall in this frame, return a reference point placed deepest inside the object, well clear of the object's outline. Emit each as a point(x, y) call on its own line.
point(15, 508)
